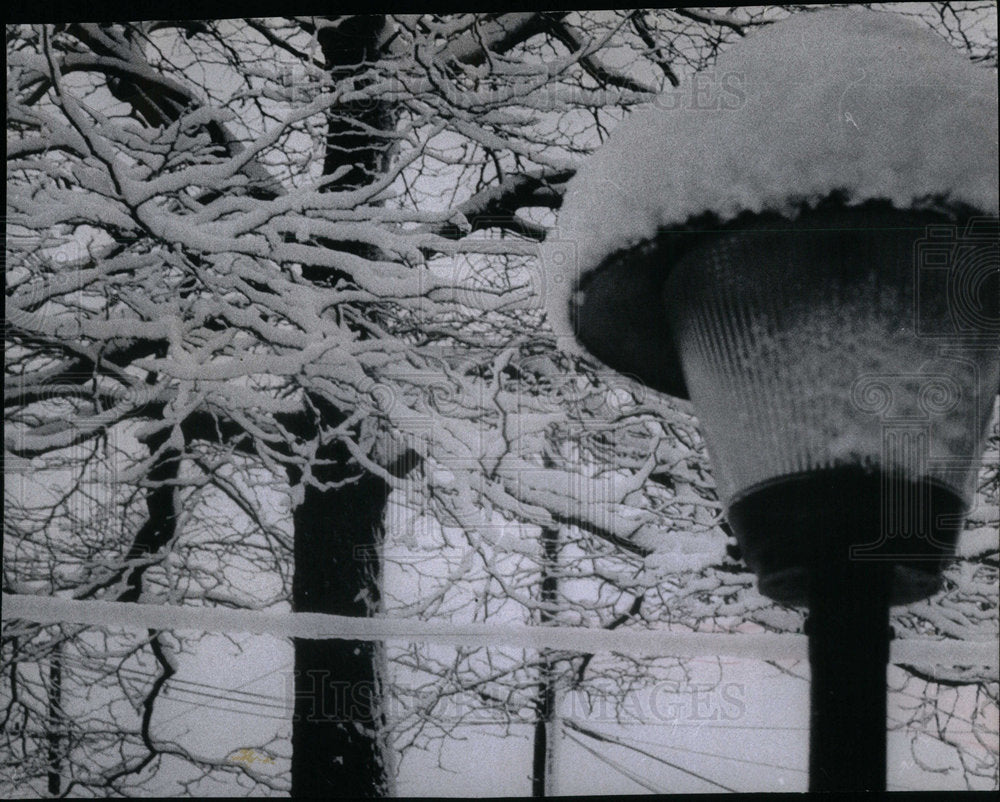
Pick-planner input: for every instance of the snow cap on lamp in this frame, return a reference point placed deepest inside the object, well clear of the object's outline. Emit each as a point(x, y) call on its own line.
point(763, 258)
point(841, 103)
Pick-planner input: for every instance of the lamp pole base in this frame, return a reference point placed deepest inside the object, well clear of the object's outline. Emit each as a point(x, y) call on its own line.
point(848, 628)
point(847, 542)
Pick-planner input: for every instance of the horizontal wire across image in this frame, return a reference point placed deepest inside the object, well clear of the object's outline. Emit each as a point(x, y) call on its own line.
point(321, 626)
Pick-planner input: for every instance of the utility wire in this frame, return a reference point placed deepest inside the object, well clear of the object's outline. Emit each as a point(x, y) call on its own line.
point(81, 665)
point(600, 736)
point(712, 754)
point(220, 696)
point(616, 766)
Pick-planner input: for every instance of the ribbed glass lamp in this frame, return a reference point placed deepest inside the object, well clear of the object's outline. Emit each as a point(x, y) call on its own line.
point(812, 261)
point(838, 402)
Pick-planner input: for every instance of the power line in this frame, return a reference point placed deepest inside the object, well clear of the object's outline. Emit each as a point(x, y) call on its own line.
point(81, 665)
point(204, 706)
point(599, 736)
point(713, 754)
point(616, 766)
point(220, 697)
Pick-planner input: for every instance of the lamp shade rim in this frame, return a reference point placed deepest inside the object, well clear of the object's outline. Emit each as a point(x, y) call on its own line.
point(615, 308)
point(867, 103)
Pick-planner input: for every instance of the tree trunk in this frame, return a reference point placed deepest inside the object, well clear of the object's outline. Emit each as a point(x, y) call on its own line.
point(338, 728)
point(55, 724)
point(338, 723)
point(543, 777)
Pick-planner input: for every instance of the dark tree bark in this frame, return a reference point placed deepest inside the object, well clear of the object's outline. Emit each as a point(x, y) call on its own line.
point(349, 48)
point(542, 764)
point(337, 734)
point(55, 724)
point(161, 516)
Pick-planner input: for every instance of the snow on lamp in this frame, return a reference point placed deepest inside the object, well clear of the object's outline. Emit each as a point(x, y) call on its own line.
point(807, 249)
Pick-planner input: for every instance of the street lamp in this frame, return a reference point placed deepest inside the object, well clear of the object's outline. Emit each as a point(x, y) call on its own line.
point(806, 247)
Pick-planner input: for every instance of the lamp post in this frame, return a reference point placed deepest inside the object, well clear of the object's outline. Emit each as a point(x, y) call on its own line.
point(815, 268)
